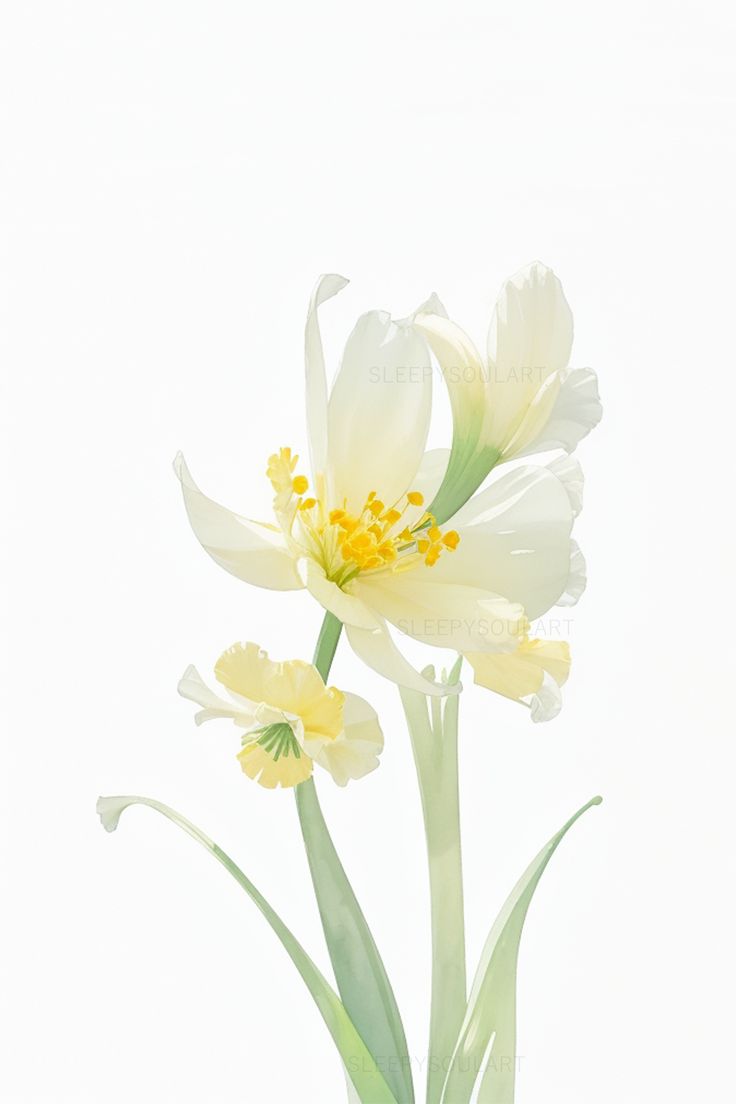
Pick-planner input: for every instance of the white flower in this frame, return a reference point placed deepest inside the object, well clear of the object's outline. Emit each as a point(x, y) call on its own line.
point(290, 719)
point(522, 398)
point(358, 534)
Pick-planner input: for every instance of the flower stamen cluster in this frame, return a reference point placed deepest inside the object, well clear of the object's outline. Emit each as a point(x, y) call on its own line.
point(346, 544)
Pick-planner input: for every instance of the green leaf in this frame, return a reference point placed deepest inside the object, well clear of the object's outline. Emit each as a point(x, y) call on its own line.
point(491, 1012)
point(433, 734)
point(369, 1084)
point(361, 977)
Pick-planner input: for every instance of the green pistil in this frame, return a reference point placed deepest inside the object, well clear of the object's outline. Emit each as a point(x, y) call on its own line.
point(279, 739)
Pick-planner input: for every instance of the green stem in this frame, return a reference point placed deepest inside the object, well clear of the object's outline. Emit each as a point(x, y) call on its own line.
point(434, 743)
point(361, 977)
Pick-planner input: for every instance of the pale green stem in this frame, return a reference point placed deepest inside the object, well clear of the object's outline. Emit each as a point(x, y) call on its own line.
point(359, 971)
point(434, 743)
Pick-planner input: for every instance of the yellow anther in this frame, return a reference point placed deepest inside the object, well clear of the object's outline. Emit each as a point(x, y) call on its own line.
point(299, 484)
point(451, 539)
point(335, 516)
point(387, 552)
point(434, 534)
point(308, 504)
point(422, 545)
point(372, 561)
point(376, 530)
point(376, 507)
point(406, 535)
point(348, 523)
point(432, 556)
point(391, 517)
point(416, 498)
point(371, 496)
point(362, 540)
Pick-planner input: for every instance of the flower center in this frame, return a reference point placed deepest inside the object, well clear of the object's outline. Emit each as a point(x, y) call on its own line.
point(346, 544)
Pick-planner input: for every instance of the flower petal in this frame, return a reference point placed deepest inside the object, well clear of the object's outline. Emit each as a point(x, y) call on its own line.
point(287, 771)
point(193, 687)
point(379, 411)
point(515, 540)
point(443, 614)
point(577, 410)
point(378, 651)
point(355, 752)
point(346, 607)
point(252, 552)
point(292, 686)
point(316, 380)
point(531, 675)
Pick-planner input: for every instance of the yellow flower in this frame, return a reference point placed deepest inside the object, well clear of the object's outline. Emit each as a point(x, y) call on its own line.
point(290, 719)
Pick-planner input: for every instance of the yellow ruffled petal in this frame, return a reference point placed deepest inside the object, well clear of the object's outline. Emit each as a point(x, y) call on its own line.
point(520, 674)
point(261, 764)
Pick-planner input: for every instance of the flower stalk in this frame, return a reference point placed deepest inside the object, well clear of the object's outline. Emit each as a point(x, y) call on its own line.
point(434, 743)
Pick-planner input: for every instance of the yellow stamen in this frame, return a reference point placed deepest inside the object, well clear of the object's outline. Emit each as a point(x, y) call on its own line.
point(451, 539)
point(299, 484)
point(415, 498)
point(308, 504)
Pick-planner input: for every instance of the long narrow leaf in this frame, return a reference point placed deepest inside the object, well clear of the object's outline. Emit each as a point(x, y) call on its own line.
point(361, 977)
point(491, 1013)
point(369, 1084)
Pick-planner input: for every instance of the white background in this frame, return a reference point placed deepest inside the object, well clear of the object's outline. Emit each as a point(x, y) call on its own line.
point(174, 178)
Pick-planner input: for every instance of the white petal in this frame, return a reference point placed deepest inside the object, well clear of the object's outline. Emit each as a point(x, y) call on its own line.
point(463, 372)
point(532, 324)
point(577, 579)
point(443, 614)
point(316, 397)
point(247, 549)
point(379, 652)
point(576, 411)
point(379, 411)
point(570, 474)
point(515, 540)
point(354, 753)
point(193, 687)
point(547, 702)
point(346, 607)
point(529, 339)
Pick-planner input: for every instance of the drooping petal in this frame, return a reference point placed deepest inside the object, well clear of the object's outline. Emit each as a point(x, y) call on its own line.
point(378, 651)
point(532, 674)
point(576, 411)
point(445, 614)
point(515, 540)
point(252, 552)
point(355, 752)
point(316, 380)
point(379, 411)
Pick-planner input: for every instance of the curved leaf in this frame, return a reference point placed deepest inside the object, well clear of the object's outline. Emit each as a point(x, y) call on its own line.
point(486, 1047)
point(357, 1060)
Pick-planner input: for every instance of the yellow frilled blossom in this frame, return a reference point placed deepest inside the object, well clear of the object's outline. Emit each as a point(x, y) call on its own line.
point(290, 719)
point(384, 534)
